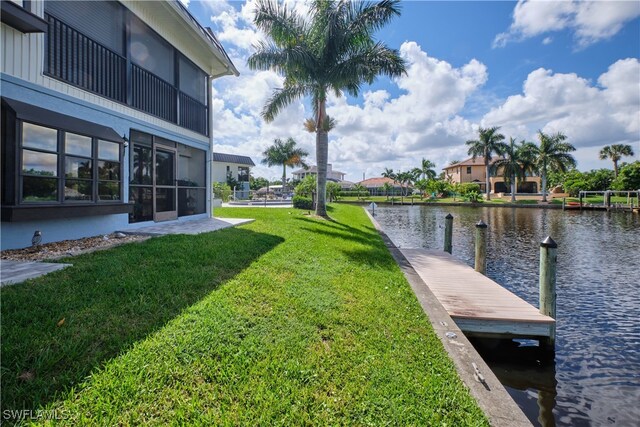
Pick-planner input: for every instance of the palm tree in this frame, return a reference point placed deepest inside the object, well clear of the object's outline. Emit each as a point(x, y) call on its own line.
point(426, 169)
point(388, 173)
point(615, 152)
point(515, 163)
point(552, 156)
point(386, 187)
point(285, 154)
point(331, 50)
point(359, 188)
point(489, 142)
point(405, 179)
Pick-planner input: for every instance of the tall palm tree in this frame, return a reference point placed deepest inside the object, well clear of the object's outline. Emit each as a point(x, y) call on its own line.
point(426, 169)
point(285, 154)
point(388, 173)
point(489, 141)
point(516, 161)
point(386, 187)
point(330, 50)
point(552, 156)
point(405, 179)
point(615, 152)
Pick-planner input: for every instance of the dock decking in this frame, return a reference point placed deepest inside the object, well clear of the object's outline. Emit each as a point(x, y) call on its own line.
point(477, 304)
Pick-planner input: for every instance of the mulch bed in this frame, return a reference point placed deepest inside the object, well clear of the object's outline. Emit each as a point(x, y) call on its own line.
point(65, 248)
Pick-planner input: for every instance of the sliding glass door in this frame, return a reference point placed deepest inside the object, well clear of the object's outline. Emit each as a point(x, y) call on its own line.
point(165, 184)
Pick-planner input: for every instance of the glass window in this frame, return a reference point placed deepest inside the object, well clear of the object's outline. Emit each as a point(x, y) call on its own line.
point(109, 171)
point(468, 169)
point(243, 174)
point(108, 191)
point(38, 163)
point(39, 137)
point(78, 190)
point(77, 144)
point(76, 167)
point(108, 150)
point(36, 189)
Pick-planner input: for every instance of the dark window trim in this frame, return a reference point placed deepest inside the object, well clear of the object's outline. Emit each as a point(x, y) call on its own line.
point(21, 19)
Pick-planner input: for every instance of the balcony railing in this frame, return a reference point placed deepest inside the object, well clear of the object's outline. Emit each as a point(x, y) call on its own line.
point(78, 60)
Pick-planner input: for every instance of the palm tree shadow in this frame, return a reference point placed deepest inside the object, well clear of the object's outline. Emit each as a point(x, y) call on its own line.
point(110, 300)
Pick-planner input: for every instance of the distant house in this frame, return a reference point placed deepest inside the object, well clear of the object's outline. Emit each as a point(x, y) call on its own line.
point(473, 170)
point(375, 186)
point(233, 166)
point(106, 116)
point(332, 175)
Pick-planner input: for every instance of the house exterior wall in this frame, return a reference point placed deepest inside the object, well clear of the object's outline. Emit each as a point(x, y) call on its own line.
point(219, 174)
point(458, 175)
point(22, 78)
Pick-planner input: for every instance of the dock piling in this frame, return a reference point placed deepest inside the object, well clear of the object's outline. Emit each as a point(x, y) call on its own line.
point(481, 247)
point(548, 259)
point(448, 232)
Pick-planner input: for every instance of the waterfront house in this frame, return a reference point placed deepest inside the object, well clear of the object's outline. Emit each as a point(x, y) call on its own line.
point(232, 167)
point(106, 118)
point(375, 186)
point(335, 176)
point(474, 171)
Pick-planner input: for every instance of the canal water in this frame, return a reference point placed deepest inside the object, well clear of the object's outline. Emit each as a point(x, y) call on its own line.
point(595, 378)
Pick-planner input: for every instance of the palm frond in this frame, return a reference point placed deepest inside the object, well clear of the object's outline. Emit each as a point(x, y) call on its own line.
point(280, 99)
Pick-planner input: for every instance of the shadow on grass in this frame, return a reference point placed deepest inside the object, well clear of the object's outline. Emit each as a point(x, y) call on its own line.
point(59, 328)
point(375, 253)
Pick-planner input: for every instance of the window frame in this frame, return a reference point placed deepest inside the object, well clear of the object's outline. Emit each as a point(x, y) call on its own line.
point(61, 169)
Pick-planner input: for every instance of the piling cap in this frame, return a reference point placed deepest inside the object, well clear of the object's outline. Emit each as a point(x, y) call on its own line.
point(548, 243)
point(449, 216)
point(481, 224)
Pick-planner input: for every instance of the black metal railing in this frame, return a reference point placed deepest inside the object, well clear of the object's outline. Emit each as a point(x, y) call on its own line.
point(75, 58)
point(193, 114)
point(152, 94)
point(83, 62)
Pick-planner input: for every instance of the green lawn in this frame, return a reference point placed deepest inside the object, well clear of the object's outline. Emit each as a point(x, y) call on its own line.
point(597, 200)
point(285, 321)
point(418, 200)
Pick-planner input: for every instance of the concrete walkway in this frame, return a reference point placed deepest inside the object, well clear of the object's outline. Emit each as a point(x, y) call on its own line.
point(196, 226)
point(12, 272)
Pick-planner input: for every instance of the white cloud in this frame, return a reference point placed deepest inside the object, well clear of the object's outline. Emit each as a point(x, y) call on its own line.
point(589, 20)
point(590, 116)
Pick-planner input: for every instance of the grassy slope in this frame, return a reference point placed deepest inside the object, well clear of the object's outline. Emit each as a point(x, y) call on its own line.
point(288, 320)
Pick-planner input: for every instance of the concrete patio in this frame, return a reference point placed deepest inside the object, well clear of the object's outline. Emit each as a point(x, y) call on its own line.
point(13, 272)
point(196, 226)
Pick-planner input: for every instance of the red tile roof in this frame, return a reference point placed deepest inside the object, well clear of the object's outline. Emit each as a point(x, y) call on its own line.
point(478, 161)
point(378, 182)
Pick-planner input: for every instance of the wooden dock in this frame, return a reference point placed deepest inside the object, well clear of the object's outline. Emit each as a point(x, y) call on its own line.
point(478, 305)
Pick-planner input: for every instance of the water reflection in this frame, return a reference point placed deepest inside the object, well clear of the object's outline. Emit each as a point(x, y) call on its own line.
point(596, 376)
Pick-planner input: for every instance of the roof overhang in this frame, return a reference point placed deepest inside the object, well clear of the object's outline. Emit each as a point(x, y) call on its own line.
point(21, 19)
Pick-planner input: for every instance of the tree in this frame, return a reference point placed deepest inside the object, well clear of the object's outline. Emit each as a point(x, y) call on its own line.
point(256, 183)
point(517, 160)
point(422, 185)
point(333, 191)
point(489, 141)
point(331, 50)
point(552, 156)
point(388, 173)
point(359, 188)
point(405, 179)
point(629, 178)
point(386, 187)
point(426, 169)
point(615, 152)
point(285, 154)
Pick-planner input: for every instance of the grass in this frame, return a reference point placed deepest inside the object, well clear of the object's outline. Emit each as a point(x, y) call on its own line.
point(418, 200)
point(285, 321)
point(596, 200)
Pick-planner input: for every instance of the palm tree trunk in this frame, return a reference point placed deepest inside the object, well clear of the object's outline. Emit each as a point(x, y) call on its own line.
point(544, 185)
point(486, 166)
point(513, 188)
point(322, 153)
point(284, 177)
point(615, 168)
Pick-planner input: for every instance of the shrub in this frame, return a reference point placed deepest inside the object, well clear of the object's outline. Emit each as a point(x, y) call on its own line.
point(628, 177)
point(221, 191)
point(468, 188)
point(301, 202)
point(306, 187)
point(472, 196)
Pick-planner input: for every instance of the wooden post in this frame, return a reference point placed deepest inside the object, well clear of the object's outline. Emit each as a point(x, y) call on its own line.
point(548, 258)
point(564, 201)
point(481, 247)
point(580, 200)
point(448, 232)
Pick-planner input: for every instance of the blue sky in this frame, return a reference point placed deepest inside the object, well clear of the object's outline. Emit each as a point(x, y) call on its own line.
point(570, 66)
